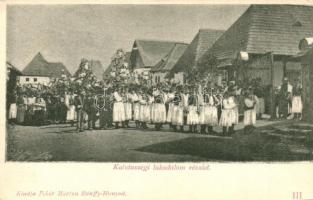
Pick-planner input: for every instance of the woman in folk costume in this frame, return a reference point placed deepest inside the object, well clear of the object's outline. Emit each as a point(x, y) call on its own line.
point(250, 102)
point(193, 112)
point(128, 107)
point(136, 96)
point(150, 115)
point(297, 105)
point(159, 111)
point(178, 111)
point(170, 111)
point(229, 115)
point(210, 110)
point(118, 108)
point(21, 109)
point(69, 102)
point(203, 115)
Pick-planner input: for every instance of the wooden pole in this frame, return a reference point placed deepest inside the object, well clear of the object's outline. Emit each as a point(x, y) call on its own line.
point(272, 93)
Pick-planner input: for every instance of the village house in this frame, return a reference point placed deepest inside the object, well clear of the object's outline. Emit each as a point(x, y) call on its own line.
point(260, 42)
point(40, 71)
point(203, 40)
point(146, 54)
point(161, 69)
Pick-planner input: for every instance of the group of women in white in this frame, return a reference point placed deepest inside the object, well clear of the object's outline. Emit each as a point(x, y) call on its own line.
point(194, 107)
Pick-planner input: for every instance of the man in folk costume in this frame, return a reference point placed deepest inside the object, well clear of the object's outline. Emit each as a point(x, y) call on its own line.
point(184, 102)
point(80, 103)
point(250, 102)
point(284, 99)
point(229, 115)
point(297, 105)
point(106, 113)
point(145, 110)
point(91, 111)
point(136, 96)
point(69, 102)
point(159, 109)
point(193, 112)
point(118, 108)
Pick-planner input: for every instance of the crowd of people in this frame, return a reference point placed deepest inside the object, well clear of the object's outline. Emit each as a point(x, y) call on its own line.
point(198, 106)
point(125, 96)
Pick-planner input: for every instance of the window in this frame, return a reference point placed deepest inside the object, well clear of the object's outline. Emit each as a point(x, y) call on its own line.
point(35, 79)
point(27, 79)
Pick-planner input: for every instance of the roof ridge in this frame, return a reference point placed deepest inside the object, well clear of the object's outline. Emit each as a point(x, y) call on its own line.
point(159, 40)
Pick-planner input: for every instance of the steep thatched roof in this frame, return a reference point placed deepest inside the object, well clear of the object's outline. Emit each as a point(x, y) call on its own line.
point(40, 67)
point(204, 39)
point(150, 52)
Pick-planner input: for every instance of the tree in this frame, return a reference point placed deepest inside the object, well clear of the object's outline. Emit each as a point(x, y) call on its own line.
point(205, 69)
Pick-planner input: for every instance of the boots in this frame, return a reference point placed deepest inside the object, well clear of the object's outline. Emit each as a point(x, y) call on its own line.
point(182, 129)
point(210, 130)
point(231, 130)
point(190, 128)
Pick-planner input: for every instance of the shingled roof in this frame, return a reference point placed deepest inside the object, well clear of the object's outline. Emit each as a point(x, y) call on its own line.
point(266, 28)
point(152, 51)
point(168, 62)
point(204, 39)
point(39, 66)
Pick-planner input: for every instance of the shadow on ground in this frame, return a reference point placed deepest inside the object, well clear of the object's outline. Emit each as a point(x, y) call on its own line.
point(253, 147)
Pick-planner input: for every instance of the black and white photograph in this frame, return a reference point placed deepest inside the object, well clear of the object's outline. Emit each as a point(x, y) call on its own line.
point(159, 83)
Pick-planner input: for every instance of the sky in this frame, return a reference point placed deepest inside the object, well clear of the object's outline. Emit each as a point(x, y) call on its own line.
point(68, 33)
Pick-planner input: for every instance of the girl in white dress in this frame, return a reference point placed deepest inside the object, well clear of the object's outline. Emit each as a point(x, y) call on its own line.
point(297, 105)
point(159, 111)
point(193, 113)
point(69, 102)
point(128, 107)
point(250, 112)
point(170, 112)
point(118, 109)
point(229, 115)
point(136, 97)
point(211, 111)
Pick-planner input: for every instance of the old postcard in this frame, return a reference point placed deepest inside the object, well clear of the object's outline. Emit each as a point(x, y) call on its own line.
point(156, 100)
